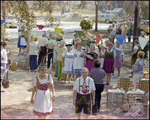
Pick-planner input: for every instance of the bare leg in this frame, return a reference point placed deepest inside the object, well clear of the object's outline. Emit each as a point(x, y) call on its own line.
point(44, 117)
point(19, 51)
point(7, 71)
point(78, 115)
point(65, 76)
point(69, 77)
point(107, 77)
point(86, 116)
point(119, 72)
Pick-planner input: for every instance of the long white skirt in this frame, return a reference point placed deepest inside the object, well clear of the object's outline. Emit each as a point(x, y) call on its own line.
point(43, 102)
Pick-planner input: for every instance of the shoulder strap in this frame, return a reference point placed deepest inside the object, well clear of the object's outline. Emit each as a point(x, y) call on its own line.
point(79, 85)
point(48, 77)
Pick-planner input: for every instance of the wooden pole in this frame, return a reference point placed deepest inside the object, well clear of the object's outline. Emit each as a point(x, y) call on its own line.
point(96, 12)
point(3, 8)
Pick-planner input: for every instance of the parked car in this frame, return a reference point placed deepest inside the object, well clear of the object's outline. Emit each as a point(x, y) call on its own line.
point(144, 26)
point(107, 18)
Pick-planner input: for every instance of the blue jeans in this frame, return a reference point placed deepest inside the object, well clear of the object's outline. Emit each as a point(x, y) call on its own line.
point(4, 66)
point(56, 70)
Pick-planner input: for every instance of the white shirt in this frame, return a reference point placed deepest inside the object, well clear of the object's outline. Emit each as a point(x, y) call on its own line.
point(111, 34)
point(4, 54)
point(42, 41)
point(33, 50)
point(111, 51)
point(89, 82)
point(135, 47)
point(49, 42)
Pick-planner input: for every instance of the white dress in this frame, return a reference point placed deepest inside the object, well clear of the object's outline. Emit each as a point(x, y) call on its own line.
point(102, 59)
point(68, 62)
point(42, 103)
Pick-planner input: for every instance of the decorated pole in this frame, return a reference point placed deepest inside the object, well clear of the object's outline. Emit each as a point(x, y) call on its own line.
point(96, 12)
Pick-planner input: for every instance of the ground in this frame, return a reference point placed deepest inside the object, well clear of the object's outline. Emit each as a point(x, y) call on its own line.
point(15, 101)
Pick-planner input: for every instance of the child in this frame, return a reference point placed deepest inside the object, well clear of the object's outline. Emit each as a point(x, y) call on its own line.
point(42, 103)
point(3, 57)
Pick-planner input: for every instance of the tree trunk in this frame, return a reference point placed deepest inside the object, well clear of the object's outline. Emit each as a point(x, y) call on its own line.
point(136, 25)
point(96, 16)
point(3, 7)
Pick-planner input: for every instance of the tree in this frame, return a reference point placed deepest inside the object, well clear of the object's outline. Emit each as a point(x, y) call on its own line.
point(96, 14)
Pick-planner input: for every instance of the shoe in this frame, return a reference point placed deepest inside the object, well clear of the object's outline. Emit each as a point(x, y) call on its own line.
point(94, 113)
point(106, 84)
point(55, 76)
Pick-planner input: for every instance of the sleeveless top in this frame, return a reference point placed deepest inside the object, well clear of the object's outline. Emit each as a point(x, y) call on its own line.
point(109, 54)
point(43, 86)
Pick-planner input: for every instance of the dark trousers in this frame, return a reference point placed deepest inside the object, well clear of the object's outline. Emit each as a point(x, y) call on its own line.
point(99, 90)
point(42, 55)
point(129, 35)
point(50, 56)
point(33, 62)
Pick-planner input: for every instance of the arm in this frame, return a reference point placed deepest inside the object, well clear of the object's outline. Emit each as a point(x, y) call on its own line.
point(83, 52)
point(74, 97)
point(93, 96)
point(53, 92)
point(39, 48)
point(33, 92)
point(91, 58)
point(2, 57)
point(63, 61)
point(135, 50)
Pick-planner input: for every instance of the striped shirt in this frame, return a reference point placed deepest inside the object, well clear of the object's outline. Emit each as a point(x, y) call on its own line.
point(97, 74)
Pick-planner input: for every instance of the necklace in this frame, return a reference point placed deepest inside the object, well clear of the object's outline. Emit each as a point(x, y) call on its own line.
point(42, 77)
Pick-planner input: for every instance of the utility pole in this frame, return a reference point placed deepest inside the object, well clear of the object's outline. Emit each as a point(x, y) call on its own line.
point(136, 24)
point(96, 12)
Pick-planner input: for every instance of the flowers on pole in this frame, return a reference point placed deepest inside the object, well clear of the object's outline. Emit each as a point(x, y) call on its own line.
point(86, 23)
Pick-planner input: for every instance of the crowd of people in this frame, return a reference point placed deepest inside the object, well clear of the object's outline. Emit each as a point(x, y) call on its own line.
point(84, 65)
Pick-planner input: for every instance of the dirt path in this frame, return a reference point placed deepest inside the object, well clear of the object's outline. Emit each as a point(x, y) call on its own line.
point(15, 101)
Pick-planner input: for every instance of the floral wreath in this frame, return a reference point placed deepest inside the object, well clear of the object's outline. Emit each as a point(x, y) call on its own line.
point(86, 23)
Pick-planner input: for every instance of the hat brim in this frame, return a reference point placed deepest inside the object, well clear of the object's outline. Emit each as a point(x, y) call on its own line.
point(68, 45)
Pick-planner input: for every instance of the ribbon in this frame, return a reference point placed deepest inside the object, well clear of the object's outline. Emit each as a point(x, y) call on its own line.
point(89, 36)
point(58, 30)
point(40, 27)
point(98, 38)
point(2, 21)
point(120, 39)
point(143, 42)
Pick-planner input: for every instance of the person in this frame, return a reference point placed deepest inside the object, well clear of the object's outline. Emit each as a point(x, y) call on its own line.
point(119, 31)
point(97, 74)
point(21, 40)
point(107, 43)
point(101, 55)
point(42, 43)
point(136, 49)
point(109, 61)
point(119, 57)
point(73, 48)
point(67, 62)
point(50, 50)
point(8, 51)
point(75, 39)
point(82, 90)
point(130, 31)
point(145, 50)
point(124, 29)
point(90, 57)
point(78, 60)
point(112, 34)
point(34, 49)
point(108, 30)
point(137, 68)
point(4, 57)
point(61, 49)
point(113, 27)
point(42, 101)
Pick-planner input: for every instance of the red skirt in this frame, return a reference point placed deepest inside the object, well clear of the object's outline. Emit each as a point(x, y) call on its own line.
point(42, 114)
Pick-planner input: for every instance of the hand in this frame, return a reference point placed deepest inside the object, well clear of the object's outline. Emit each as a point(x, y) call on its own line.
point(85, 50)
point(74, 103)
point(93, 102)
point(2, 57)
point(53, 98)
point(32, 101)
point(38, 52)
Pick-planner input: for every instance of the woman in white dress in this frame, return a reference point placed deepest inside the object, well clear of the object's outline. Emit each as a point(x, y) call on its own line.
point(42, 102)
point(78, 60)
point(67, 62)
